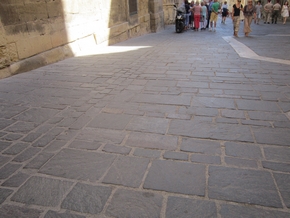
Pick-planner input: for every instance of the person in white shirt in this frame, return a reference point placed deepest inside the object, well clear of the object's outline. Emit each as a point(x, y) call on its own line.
point(225, 12)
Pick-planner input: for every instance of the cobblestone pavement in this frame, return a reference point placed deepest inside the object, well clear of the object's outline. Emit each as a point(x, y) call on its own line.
point(163, 125)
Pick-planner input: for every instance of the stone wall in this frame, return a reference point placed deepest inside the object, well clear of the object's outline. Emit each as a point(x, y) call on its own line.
point(34, 33)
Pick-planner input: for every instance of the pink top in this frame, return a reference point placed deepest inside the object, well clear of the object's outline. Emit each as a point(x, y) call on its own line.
point(196, 10)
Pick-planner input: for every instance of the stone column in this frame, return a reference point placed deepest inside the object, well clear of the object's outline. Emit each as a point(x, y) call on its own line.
point(156, 15)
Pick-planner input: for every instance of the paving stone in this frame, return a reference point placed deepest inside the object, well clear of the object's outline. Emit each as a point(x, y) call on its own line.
point(39, 161)
point(31, 137)
point(102, 135)
point(10, 111)
point(238, 162)
point(21, 127)
point(277, 153)
point(175, 155)
point(3, 160)
point(8, 170)
point(44, 140)
point(80, 122)
point(77, 164)
point(153, 141)
point(54, 214)
point(272, 136)
point(254, 105)
point(55, 120)
point(110, 121)
point(256, 123)
point(201, 158)
point(269, 116)
point(213, 102)
point(38, 191)
point(165, 176)
point(12, 137)
point(284, 187)
point(4, 123)
point(281, 124)
point(148, 124)
point(162, 99)
point(116, 149)
point(85, 145)
point(16, 149)
point(26, 154)
point(16, 180)
point(2, 134)
point(241, 211)
point(129, 203)
point(244, 186)
point(127, 171)
point(200, 146)
point(200, 111)
point(283, 167)
point(36, 115)
point(233, 114)
point(67, 135)
point(14, 211)
point(221, 131)
point(87, 198)
point(67, 122)
point(4, 193)
point(147, 153)
point(226, 120)
point(189, 208)
point(4, 145)
point(242, 150)
point(55, 146)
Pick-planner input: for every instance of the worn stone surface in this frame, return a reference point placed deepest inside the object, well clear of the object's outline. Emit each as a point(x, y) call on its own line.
point(37, 191)
point(86, 198)
point(165, 176)
point(128, 203)
point(80, 165)
point(188, 208)
point(200, 146)
point(202, 132)
point(153, 141)
point(228, 211)
point(249, 151)
point(245, 186)
point(16, 211)
point(127, 171)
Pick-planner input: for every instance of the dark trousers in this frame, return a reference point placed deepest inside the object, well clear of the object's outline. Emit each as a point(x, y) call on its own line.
point(208, 19)
point(275, 16)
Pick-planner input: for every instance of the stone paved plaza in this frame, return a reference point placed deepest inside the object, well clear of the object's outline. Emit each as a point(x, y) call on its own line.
point(164, 125)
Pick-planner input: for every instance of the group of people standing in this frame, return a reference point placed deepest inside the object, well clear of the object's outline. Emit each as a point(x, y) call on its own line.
point(272, 11)
point(200, 16)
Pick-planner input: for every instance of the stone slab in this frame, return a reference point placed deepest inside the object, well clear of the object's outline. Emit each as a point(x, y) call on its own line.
point(162, 99)
point(76, 164)
point(189, 208)
point(36, 115)
point(148, 124)
point(39, 160)
point(200, 146)
point(283, 183)
point(85, 145)
point(277, 153)
point(273, 136)
point(177, 177)
point(213, 102)
point(110, 121)
point(175, 155)
point(38, 191)
point(4, 193)
point(153, 141)
point(206, 130)
point(147, 153)
point(85, 198)
point(116, 149)
point(8, 170)
point(129, 203)
point(254, 105)
point(242, 150)
point(14, 211)
point(241, 211)
point(102, 135)
point(54, 214)
point(127, 171)
point(244, 186)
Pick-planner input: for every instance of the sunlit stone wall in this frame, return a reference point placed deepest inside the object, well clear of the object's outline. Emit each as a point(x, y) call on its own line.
point(34, 33)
